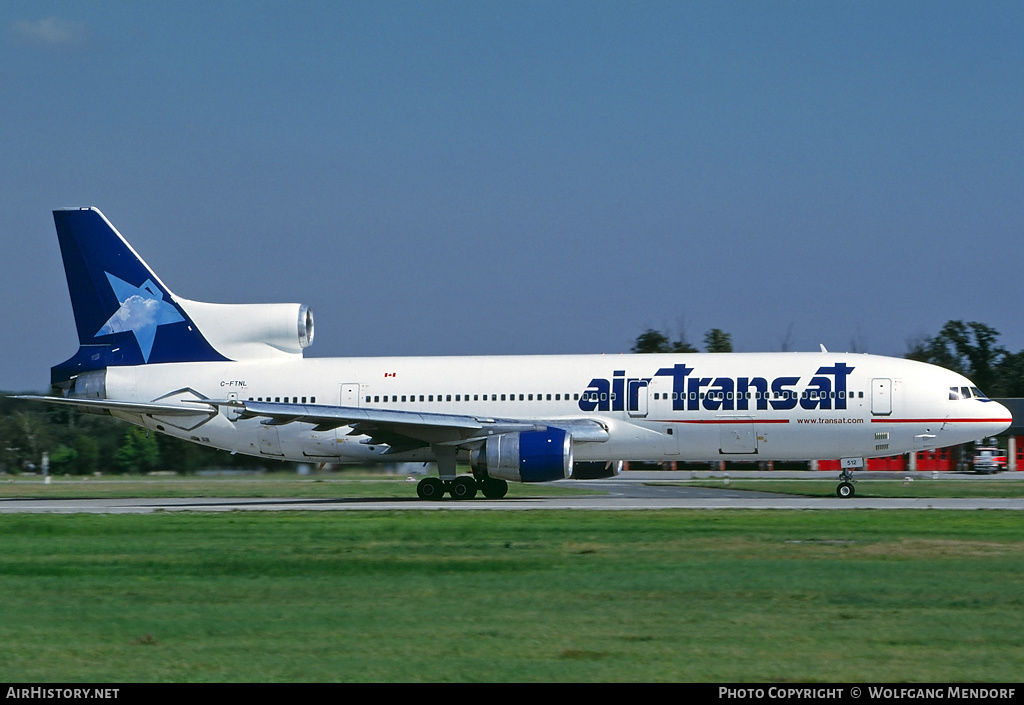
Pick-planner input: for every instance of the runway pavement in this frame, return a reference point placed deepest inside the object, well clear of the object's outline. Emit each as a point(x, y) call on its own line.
point(629, 491)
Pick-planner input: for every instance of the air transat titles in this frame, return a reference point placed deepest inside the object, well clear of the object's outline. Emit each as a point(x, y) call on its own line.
point(691, 392)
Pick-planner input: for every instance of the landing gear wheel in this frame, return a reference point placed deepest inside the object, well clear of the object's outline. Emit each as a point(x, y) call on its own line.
point(494, 488)
point(463, 487)
point(845, 490)
point(430, 488)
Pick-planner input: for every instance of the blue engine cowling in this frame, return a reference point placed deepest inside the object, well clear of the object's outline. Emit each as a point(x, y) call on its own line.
point(529, 456)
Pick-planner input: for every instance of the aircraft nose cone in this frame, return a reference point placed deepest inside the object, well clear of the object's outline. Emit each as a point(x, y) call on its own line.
point(1002, 418)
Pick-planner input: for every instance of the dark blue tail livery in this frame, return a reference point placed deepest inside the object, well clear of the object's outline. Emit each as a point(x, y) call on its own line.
point(123, 312)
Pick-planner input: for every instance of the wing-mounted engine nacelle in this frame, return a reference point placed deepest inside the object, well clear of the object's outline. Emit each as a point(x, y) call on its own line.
point(253, 331)
point(596, 470)
point(526, 456)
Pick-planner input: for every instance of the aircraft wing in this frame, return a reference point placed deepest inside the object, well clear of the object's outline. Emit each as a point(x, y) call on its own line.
point(403, 430)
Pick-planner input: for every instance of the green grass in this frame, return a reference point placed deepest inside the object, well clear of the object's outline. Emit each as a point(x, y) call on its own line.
point(346, 485)
point(866, 596)
point(354, 484)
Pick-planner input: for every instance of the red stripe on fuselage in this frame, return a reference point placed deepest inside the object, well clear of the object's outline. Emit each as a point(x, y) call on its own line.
point(737, 420)
point(874, 420)
point(887, 420)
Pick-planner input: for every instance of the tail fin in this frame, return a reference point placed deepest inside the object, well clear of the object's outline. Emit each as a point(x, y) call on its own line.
point(124, 313)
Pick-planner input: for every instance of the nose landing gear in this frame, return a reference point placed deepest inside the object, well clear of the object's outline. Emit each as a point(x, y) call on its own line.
point(845, 489)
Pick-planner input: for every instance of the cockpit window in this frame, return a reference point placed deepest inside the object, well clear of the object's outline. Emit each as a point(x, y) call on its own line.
point(966, 393)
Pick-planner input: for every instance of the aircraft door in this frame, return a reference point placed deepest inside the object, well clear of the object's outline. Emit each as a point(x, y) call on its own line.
point(881, 397)
point(739, 438)
point(637, 398)
point(350, 394)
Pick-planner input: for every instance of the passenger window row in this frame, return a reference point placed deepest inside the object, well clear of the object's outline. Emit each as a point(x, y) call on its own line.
point(427, 398)
point(789, 394)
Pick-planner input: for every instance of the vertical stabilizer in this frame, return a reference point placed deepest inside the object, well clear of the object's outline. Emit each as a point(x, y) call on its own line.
point(123, 312)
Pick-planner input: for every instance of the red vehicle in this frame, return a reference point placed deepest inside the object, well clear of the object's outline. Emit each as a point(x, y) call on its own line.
point(988, 459)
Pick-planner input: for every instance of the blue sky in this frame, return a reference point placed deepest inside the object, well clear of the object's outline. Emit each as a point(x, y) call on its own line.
point(440, 178)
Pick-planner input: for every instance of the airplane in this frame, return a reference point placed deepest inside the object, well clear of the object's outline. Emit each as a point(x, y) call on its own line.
point(233, 376)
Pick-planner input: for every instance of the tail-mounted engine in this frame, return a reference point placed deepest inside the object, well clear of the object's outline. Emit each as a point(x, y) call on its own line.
point(253, 331)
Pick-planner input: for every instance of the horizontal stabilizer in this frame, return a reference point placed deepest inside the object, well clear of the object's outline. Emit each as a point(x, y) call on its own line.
point(132, 407)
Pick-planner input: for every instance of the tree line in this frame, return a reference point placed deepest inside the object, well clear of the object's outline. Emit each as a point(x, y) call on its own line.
point(80, 443)
point(654, 341)
point(77, 443)
point(973, 350)
point(970, 348)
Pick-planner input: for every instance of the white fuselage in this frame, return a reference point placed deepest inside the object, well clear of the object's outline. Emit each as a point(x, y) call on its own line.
point(663, 407)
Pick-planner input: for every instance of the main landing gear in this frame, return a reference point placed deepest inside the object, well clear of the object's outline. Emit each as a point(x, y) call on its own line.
point(462, 487)
point(458, 486)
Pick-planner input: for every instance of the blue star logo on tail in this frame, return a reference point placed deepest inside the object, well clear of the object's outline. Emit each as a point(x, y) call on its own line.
point(143, 309)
